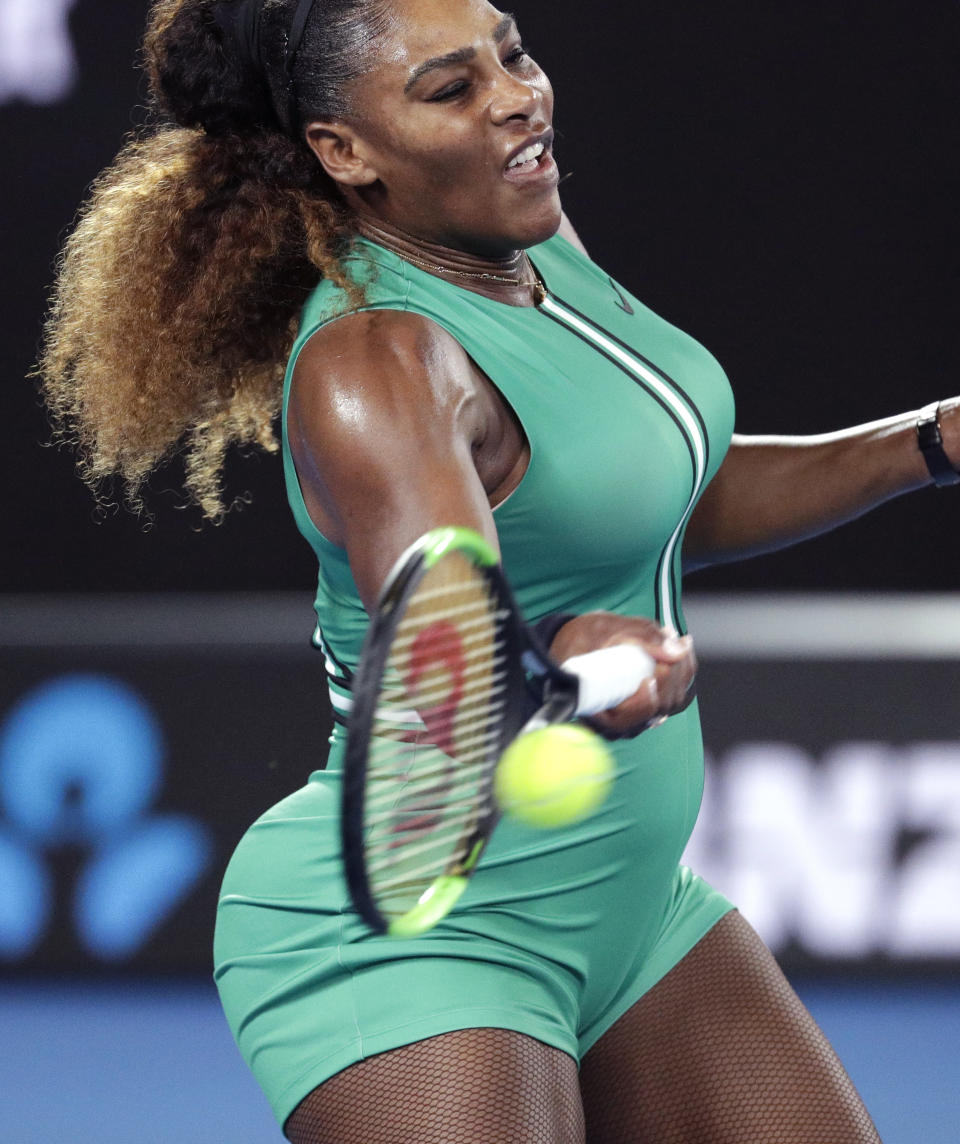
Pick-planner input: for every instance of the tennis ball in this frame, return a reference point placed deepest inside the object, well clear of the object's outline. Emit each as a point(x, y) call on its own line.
point(554, 775)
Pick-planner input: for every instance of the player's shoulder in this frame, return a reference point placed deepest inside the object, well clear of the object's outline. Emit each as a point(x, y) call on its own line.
point(383, 343)
point(381, 362)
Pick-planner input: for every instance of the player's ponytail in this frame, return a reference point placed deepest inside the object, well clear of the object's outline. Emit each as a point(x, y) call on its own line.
point(178, 291)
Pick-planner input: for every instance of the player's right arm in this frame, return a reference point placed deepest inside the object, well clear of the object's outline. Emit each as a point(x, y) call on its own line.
point(384, 419)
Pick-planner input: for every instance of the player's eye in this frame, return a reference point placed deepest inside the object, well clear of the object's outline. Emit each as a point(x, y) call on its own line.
point(451, 91)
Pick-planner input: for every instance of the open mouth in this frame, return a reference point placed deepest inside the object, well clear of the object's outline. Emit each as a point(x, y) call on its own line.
point(528, 159)
point(533, 164)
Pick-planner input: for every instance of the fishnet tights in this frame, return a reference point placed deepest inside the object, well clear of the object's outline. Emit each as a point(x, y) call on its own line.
point(721, 1051)
point(473, 1086)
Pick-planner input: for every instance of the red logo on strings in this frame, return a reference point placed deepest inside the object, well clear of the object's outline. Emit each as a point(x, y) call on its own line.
point(439, 645)
point(436, 648)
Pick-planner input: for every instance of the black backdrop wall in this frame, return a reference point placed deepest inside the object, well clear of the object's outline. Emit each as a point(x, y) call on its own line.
point(779, 180)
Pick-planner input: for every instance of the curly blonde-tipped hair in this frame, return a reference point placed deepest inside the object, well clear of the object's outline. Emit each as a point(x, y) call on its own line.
point(178, 291)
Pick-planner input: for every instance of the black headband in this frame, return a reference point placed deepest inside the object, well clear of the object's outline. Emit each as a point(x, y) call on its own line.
point(298, 25)
point(240, 22)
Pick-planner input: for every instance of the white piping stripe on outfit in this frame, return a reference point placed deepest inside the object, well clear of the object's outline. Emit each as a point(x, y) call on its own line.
point(670, 397)
point(342, 704)
point(409, 717)
point(317, 641)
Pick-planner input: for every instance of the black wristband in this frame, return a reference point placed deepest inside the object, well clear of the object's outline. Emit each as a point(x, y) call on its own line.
point(930, 443)
point(548, 627)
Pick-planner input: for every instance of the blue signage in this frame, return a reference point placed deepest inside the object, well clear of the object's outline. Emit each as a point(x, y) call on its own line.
point(81, 764)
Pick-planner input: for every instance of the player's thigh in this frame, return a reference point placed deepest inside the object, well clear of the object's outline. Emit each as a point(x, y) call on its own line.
point(473, 1086)
point(721, 1051)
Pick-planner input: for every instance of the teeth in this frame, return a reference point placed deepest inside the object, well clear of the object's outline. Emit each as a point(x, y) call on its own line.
point(534, 151)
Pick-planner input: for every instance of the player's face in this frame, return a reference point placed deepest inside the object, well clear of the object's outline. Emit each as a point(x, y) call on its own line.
point(453, 99)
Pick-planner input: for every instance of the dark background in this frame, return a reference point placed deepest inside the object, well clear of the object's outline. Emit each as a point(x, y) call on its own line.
point(780, 180)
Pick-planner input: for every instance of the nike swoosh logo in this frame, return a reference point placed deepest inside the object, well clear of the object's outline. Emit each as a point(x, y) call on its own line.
point(622, 304)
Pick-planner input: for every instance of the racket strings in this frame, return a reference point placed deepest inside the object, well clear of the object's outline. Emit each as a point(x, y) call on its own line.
point(382, 800)
point(397, 734)
point(394, 696)
point(453, 615)
point(390, 879)
point(435, 734)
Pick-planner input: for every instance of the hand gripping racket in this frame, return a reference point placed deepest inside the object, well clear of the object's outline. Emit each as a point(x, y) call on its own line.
point(448, 677)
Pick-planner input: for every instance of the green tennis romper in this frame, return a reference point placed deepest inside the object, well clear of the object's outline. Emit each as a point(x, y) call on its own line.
point(560, 931)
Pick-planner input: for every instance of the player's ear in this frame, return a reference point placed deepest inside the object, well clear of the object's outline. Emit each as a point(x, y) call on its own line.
point(342, 152)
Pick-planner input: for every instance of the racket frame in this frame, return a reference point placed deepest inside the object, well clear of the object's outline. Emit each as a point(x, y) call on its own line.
point(524, 658)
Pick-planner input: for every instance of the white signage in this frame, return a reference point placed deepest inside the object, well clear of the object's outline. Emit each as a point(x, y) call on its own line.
point(852, 855)
point(38, 63)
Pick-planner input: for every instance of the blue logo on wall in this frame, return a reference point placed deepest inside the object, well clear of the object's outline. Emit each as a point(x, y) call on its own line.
point(81, 763)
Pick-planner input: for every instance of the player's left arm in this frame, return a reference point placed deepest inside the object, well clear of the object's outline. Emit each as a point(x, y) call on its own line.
point(771, 492)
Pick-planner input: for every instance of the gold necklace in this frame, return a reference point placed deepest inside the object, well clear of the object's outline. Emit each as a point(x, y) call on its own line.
point(539, 290)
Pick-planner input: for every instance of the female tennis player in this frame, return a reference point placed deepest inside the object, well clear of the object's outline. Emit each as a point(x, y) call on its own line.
point(347, 210)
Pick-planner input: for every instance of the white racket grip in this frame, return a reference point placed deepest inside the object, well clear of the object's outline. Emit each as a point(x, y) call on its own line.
point(609, 676)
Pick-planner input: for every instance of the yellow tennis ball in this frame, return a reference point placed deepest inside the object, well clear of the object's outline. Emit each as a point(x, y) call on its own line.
point(554, 776)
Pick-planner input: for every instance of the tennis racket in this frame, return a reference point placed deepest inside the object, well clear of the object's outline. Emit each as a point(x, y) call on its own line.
point(448, 677)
